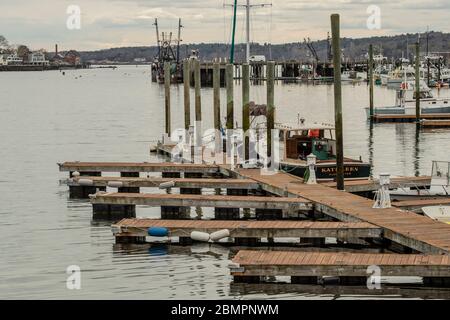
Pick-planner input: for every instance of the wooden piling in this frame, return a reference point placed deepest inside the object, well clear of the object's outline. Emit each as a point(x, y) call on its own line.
point(216, 90)
point(270, 104)
point(198, 100)
point(338, 100)
point(230, 96)
point(371, 80)
point(187, 95)
point(167, 95)
point(417, 76)
point(246, 106)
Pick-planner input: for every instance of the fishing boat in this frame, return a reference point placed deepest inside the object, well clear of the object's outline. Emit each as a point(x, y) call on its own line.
point(439, 185)
point(439, 213)
point(318, 139)
point(406, 101)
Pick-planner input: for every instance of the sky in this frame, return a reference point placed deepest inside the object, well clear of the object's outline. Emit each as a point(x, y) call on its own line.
point(118, 23)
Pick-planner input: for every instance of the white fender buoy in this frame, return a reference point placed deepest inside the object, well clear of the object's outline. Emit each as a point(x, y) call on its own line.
point(167, 185)
point(85, 182)
point(200, 236)
point(75, 174)
point(115, 184)
point(218, 235)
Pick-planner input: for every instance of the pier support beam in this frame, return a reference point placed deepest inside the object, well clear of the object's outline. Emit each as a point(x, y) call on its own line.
point(247, 242)
point(303, 280)
point(133, 240)
point(246, 279)
point(269, 214)
point(443, 282)
point(113, 211)
point(129, 189)
point(87, 173)
point(175, 213)
point(192, 175)
point(226, 213)
point(315, 242)
point(353, 281)
point(171, 175)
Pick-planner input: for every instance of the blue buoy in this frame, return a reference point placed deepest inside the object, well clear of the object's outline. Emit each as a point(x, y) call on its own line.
point(158, 232)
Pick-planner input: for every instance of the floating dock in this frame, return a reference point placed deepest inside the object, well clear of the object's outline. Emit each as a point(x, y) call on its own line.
point(249, 229)
point(409, 117)
point(435, 123)
point(404, 227)
point(351, 268)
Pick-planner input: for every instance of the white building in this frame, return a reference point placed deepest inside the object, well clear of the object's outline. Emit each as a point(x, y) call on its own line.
point(37, 58)
point(13, 59)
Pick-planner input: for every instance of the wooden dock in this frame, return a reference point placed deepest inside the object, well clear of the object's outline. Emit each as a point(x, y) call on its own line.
point(133, 167)
point(347, 266)
point(250, 229)
point(417, 205)
point(404, 227)
point(409, 117)
point(187, 200)
point(155, 182)
point(366, 185)
point(435, 123)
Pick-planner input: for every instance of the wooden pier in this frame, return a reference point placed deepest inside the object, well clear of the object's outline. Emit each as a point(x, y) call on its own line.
point(403, 227)
point(155, 182)
point(249, 229)
point(351, 268)
point(187, 200)
point(409, 117)
point(132, 167)
point(417, 205)
point(435, 123)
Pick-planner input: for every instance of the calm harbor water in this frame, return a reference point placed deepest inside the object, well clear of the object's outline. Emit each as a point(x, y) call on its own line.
point(115, 115)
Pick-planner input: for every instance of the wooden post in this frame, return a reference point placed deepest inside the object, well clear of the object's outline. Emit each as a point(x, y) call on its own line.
point(198, 97)
point(338, 100)
point(230, 96)
point(216, 86)
point(246, 107)
point(167, 95)
point(371, 81)
point(270, 105)
point(187, 95)
point(417, 82)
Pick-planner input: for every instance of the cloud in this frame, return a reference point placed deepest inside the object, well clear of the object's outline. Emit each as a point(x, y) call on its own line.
point(107, 23)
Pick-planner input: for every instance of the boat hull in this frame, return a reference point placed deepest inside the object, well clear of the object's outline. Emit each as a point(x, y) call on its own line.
point(327, 171)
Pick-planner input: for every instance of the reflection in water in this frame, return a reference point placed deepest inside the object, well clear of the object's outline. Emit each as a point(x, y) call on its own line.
point(417, 151)
point(117, 116)
point(371, 147)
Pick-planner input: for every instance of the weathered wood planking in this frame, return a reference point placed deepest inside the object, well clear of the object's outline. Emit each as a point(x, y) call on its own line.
point(372, 185)
point(418, 204)
point(407, 228)
point(136, 167)
point(247, 184)
point(185, 200)
point(251, 229)
point(300, 263)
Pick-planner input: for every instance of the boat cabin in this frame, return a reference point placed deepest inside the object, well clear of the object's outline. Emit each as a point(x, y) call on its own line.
point(299, 143)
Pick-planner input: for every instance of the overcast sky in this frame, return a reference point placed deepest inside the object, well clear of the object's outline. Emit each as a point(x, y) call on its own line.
point(114, 23)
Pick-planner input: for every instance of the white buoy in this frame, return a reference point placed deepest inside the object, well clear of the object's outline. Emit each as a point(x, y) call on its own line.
point(200, 236)
point(218, 235)
point(167, 185)
point(85, 182)
point(115, 184)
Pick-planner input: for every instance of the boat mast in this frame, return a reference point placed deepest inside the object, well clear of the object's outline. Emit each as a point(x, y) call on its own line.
point(234, 32)
point(179, 40)
point(247, 22)
point(157, 38)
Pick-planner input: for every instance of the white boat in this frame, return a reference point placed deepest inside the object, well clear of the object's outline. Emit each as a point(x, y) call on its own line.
point(406, 101)
point(439, 186)
point(439, 213)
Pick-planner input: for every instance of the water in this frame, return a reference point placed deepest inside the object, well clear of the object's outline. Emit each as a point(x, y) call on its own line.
point(115, 115)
